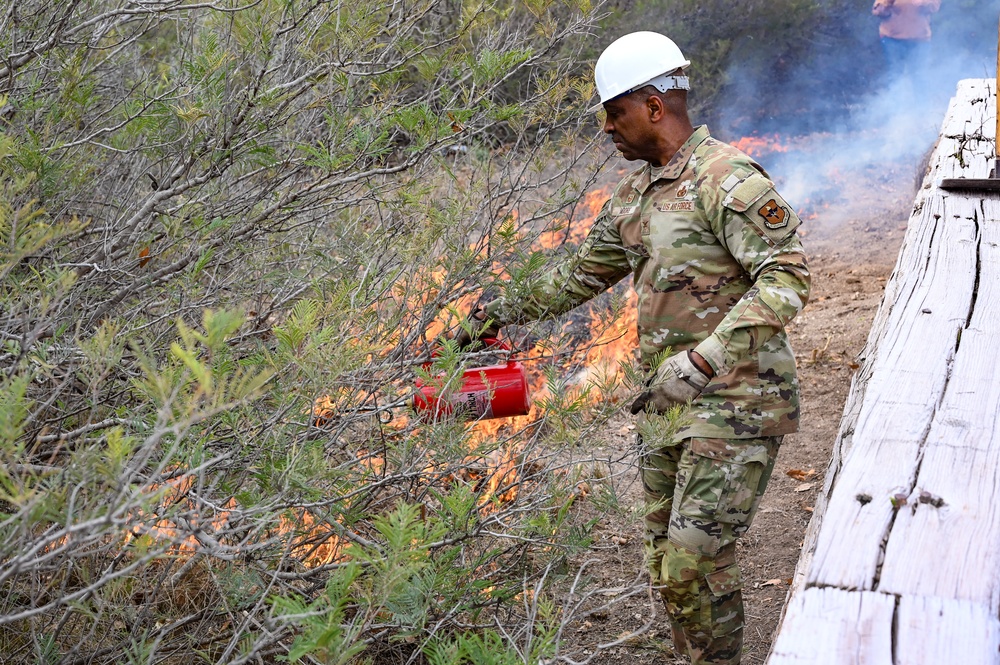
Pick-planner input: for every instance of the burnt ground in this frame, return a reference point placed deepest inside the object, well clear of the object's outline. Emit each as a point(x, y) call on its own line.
point(853, 241)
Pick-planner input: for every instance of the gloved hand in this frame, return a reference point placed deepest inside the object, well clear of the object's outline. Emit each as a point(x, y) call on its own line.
point(677, 381)
point(475, 322)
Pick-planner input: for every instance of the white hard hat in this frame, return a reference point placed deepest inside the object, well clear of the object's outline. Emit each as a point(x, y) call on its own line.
point(637, 60)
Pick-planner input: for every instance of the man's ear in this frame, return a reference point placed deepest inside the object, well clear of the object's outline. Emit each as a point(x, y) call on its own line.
point(655, 108)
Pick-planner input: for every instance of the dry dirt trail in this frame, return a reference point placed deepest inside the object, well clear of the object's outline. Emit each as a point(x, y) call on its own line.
point(852, 233)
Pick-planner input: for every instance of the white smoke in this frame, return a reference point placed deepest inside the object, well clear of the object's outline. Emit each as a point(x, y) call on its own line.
point(853, 123)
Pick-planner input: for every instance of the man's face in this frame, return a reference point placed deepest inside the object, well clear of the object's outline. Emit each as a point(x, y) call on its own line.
point(628, 124)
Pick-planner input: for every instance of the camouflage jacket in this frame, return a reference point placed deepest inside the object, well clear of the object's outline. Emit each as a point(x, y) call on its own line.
point(717, 268)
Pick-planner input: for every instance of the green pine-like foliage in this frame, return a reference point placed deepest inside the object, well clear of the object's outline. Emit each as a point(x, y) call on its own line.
point(213, 214)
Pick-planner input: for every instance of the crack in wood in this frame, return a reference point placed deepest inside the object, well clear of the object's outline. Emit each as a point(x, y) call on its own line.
point(965, 138)
point(930, 242)
point(877, 575)
point(975, 284)
point(894, 631)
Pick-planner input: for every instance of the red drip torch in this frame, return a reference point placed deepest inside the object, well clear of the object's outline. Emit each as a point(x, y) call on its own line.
point(494, 391)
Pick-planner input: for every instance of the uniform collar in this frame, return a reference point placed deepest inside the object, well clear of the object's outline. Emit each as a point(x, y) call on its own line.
point(677, 163)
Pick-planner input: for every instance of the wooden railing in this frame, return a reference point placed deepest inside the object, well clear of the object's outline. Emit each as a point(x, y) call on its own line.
point(901, 562)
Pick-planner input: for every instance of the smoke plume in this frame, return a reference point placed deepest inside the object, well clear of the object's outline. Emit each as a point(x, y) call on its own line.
point(845, 110)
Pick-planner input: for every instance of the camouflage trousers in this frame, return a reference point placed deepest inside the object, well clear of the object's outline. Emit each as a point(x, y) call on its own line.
point(703, 494)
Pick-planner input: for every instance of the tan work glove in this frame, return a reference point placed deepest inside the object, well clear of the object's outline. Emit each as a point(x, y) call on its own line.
point(677, 381)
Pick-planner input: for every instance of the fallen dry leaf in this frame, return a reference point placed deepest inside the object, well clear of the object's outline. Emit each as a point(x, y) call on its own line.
point(808, 509)
point(800, 475)
point(774, 582)
point(805, 487)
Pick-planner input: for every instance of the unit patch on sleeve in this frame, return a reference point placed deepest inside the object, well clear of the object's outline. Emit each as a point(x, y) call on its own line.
point(755, 197)
point(774, 215)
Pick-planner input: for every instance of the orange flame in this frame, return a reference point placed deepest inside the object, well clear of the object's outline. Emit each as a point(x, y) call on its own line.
point(166, 529)
point(577, 231)
point(760, 145)
point(496, 475)
point(609, 343)
point(313, 544)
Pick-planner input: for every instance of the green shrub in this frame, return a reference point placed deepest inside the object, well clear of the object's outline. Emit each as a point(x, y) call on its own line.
point(212, 216)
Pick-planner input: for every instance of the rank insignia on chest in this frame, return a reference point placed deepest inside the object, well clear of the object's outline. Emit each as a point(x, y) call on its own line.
point(674, 206)
point(775, 216)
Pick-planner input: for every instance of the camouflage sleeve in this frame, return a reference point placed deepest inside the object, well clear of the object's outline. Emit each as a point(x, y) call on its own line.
point(758, 227)
point(598, 264)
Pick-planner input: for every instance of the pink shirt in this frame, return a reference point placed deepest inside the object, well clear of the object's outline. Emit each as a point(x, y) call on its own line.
point(905, 19)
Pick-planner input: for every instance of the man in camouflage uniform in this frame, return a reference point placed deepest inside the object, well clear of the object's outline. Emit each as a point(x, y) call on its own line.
point(719, 272)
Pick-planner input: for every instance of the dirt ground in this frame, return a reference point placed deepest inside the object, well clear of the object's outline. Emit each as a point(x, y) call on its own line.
point(852, 237)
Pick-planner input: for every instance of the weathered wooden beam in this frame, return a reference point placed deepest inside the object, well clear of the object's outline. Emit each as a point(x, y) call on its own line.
point(947, 534)
point(825, 626)
point(910, 370)
point(904, 545)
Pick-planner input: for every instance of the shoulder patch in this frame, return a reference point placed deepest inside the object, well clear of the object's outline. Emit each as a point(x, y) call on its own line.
point(775, 215)
point(756, 199)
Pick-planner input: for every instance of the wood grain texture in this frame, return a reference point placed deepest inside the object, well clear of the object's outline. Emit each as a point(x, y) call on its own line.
point(939, 630)
point(833, 627)
point(909, 373)
point(963, 150)
point(906, 536)
point(951, 514)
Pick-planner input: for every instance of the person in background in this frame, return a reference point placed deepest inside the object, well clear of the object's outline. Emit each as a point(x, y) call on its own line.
point(719, 272)
point(905, 31)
